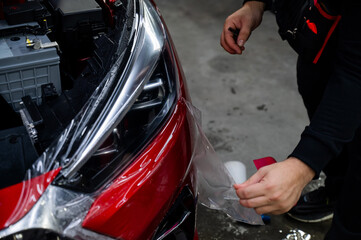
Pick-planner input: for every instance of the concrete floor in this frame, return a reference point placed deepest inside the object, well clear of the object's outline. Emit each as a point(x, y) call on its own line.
point(250, 104)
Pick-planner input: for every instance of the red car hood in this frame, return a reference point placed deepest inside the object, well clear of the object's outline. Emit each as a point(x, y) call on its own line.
point(18, 199)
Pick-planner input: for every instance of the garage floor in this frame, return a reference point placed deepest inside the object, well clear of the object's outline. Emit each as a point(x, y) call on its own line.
point(250, 104)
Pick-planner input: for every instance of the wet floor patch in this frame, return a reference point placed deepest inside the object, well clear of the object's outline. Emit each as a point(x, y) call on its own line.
point(262, 107)
point(225, 64)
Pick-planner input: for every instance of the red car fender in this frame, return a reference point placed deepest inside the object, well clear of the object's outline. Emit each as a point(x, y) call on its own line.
point(136, 202)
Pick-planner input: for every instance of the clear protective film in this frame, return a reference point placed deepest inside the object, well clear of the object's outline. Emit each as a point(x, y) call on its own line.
point(39, 201)
point(215, 183)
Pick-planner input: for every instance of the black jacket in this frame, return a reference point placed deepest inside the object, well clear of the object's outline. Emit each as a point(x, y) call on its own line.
point(339, 114)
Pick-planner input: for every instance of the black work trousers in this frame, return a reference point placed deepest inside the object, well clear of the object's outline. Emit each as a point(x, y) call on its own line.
point(343, 173)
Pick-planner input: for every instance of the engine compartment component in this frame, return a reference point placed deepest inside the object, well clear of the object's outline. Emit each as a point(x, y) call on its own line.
point(24, 69)
point(76, 25)
point(74, 13)
point(16, 153)
point(24, 12)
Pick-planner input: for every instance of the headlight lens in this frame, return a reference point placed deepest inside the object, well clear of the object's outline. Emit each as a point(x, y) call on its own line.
point(129, 137)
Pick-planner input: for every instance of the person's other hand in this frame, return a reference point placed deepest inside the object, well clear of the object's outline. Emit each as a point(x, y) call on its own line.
point(246, 19)
point(276, 188)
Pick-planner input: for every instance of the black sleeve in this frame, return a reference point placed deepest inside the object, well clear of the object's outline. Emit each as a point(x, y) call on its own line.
point(339, 113)
point(267, 2)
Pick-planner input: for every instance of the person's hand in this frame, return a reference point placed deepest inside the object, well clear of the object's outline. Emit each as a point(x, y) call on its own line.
point(276, 188)
point(246, 19)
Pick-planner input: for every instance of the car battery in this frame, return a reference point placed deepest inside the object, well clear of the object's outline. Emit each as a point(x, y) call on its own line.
point(23, 70)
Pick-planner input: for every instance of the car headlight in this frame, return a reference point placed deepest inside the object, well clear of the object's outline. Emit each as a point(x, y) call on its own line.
point(144, 94)
point(127, 138)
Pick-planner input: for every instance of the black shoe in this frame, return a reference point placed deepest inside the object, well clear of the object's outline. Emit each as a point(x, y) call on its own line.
point(313, 207)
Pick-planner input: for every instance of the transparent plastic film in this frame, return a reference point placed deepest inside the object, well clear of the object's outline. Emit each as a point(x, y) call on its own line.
point(61, 155)
point(37, 202)
point(58, 211)
point(215, 183)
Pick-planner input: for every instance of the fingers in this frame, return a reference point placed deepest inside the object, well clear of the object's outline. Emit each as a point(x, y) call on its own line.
point(228, 41)
point(234, 34)
point(245, 19)
point(227, 47)
point(256, 178)
point(243, 36)
point(237, 29)
point(263, 203)
point(251, 191)
point(254, 202)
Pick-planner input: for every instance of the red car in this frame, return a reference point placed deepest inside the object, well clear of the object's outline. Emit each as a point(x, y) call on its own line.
point(96, 141)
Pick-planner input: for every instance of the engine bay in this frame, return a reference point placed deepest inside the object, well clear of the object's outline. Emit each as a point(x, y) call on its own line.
point(53, 55)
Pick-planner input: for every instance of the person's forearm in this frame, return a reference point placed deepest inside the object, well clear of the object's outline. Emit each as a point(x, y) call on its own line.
point(265, 3)
point(260, 5)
